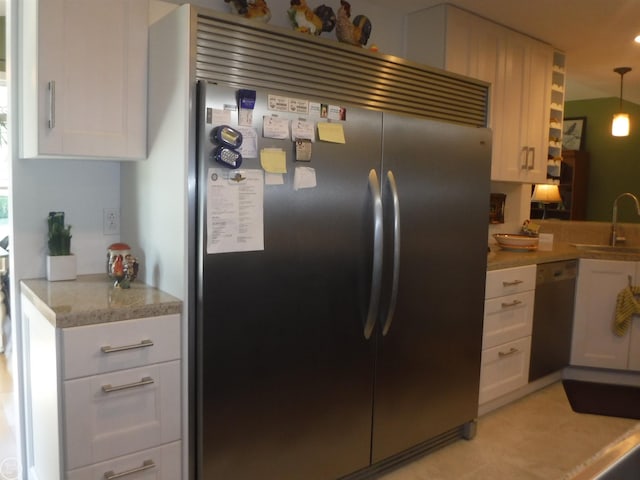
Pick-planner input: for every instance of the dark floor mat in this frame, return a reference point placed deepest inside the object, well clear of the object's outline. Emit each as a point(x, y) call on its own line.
point(603, 398)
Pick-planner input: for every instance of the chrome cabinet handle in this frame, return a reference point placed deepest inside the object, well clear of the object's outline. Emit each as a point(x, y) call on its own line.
point(376, 274)
point(510, 304)
point(142, 344)
point(393, 187)
point(513, 283)
point(146, 465)
point(511, 351)
point(144, 381)
point(525, 165)
point(533, 158)
point(52, 104)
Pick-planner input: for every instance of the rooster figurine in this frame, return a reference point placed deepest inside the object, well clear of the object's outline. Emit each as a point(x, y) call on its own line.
point(354, 33)
point(252, 9)
point(306, 20)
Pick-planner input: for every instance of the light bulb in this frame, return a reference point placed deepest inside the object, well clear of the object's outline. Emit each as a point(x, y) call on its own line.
point(620, 125)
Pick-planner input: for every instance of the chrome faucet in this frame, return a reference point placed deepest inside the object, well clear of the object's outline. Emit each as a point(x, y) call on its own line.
point(614, 218)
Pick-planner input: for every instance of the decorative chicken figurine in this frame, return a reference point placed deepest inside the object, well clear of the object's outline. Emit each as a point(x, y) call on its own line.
point(328, 17)
point(354, 33)
point(303, 18)
point(252, 9)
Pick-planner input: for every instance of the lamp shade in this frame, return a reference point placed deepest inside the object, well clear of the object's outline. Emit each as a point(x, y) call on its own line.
point(546, 193)
point(620, 125)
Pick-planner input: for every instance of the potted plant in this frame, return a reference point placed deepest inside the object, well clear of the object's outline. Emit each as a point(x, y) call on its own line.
point(61, 263)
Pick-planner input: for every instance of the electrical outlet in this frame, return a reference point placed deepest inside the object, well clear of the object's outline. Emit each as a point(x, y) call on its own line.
point(111, 221)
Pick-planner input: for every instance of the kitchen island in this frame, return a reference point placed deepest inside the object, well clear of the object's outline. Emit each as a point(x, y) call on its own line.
point(102, 379)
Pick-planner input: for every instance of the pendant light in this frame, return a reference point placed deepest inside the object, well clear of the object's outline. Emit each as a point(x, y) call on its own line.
point(620, 124)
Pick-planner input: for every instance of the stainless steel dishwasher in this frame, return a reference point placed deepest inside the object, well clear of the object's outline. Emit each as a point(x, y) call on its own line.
point(552, 317)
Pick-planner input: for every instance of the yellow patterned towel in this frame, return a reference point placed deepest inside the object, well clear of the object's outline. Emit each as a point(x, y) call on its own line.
point(626, 305)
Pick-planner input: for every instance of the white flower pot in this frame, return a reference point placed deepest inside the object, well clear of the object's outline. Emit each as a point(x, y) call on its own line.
point(61, 267)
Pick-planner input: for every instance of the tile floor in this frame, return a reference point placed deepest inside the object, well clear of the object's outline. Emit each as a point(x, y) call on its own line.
point(536, 438)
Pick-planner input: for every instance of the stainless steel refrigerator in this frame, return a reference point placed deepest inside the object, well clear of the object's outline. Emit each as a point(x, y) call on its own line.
point(350, 339)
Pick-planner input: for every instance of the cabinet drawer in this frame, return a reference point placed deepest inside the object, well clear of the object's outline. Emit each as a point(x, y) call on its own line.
point(507, 318)
point(510, 280)
point(107, 347)
point(142, 410)
point(161, 463)
point(504, 368)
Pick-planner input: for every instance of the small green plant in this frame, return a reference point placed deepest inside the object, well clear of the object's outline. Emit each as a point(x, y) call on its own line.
point(59, 235)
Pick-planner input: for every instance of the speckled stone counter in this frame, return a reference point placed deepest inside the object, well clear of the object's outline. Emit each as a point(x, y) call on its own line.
point(498, 258)
point(566, 234)
point(92, 299)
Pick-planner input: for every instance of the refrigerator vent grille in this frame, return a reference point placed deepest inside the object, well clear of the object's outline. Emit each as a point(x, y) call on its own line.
point(241, 53)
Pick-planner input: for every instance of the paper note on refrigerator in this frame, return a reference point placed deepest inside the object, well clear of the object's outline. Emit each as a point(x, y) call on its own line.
point(331, 132)
point(304, 177)
point(235, 210)
point(273, 160)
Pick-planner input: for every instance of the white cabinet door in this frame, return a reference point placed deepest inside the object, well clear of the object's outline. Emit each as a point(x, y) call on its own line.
point(504, 369)
point(41, 402)
point(106, 347)
point(162, 463)
point(526, 86)
point(507, 318)
point(594, 344)
point(121, 412)
point(518, 69)
point(508, 281)
point(539, 79)
point(84, 78)
point(634, 343)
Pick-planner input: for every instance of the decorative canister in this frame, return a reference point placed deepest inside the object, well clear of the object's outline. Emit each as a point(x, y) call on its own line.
point(122, 267)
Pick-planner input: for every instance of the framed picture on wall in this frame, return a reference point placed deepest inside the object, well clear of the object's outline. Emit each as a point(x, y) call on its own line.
point(573, 132)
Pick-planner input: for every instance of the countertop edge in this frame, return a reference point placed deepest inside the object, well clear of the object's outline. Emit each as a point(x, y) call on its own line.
point(91, 299)
point(498, 259)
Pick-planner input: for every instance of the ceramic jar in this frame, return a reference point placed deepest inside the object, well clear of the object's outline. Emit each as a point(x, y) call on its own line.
point(122, 267)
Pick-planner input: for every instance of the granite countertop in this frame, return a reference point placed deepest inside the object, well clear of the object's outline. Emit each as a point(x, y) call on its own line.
point(499, 258)
point(92, 299)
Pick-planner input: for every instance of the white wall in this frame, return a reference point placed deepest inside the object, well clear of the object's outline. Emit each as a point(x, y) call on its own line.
point(79, 188)
point(156, 189)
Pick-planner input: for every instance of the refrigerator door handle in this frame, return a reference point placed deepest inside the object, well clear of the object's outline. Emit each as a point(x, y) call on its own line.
point(376, 274)
point(393, 188)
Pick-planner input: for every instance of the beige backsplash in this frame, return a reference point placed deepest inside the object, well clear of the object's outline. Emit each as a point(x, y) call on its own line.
point(589, 232)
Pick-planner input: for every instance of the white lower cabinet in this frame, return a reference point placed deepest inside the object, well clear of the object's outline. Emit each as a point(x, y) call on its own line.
point(102, 401)
point(508, 322)
point(121, 412)
point(594, 343)
point(504, 368)
point(162, 463)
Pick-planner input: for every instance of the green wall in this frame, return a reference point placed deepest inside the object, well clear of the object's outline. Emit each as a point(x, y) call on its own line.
point(615, 161)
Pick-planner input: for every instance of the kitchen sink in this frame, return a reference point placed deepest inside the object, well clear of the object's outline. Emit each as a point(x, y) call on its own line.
point(606, 248)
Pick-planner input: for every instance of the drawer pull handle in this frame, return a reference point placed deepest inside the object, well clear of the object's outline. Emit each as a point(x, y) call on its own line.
point(146, 465)
point(142, 344)
point(51, 122)
point(511, 284)
point(510, 352)
point(511, 304)
point(144, 381)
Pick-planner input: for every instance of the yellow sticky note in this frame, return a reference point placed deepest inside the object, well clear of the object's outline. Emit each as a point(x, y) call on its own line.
point(331, 132)
point(273, 160)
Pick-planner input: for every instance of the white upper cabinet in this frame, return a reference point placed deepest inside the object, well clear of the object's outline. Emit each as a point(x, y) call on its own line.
point(526, 82)
point(518, 69)
point(84, 79)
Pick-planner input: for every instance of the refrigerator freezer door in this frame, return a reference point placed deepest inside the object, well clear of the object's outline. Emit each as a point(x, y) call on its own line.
point(285, 373)
point(429, 360)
